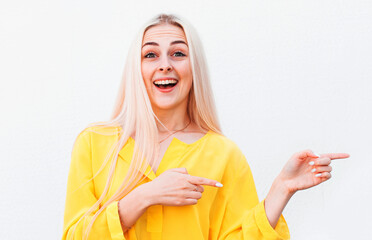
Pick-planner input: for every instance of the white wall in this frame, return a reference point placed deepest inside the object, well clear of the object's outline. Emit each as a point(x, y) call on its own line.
point(287, 75)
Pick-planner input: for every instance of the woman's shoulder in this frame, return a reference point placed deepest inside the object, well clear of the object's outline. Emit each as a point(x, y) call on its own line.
point(222, 143)
point(99, 132)
point(228, 153)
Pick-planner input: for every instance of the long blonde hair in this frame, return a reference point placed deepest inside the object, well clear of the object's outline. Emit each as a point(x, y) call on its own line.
point(133, 113)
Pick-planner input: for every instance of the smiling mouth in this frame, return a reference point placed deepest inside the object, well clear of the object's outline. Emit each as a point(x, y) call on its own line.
point(164, 84)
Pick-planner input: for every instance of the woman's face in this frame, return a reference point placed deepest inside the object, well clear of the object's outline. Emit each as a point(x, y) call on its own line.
point(165, 66)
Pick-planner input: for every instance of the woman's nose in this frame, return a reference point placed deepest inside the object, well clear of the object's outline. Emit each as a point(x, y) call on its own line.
point(168, 68)
point(165, 66)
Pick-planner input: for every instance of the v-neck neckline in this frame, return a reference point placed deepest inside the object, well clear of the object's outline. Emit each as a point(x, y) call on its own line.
point(176, 149)
point(174, 139)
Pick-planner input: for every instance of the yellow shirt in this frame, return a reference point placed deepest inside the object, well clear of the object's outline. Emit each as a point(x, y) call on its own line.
point(231, 212)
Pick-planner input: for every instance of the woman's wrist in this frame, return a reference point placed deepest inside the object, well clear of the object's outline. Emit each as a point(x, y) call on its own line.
point(145, 193)
point(280, 184)
point(281, 189)
point(276, 200)
point(132, 206)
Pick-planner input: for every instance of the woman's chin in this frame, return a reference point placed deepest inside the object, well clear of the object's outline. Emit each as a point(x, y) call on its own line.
point(169, 102)
point(165, 106)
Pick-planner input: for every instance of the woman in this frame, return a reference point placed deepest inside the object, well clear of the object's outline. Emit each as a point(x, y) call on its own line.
point(161, 169)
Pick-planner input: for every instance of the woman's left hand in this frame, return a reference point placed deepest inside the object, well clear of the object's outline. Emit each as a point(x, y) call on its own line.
point(306, 169)
point(303, 170)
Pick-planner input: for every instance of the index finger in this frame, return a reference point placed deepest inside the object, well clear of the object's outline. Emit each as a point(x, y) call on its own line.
point(204, 181)
point(333, 156)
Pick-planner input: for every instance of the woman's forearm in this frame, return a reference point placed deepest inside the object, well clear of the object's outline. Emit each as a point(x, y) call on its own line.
point(276, 200)
point(132, 206)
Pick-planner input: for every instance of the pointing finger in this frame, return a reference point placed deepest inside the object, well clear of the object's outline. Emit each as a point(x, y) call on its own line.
point(204, 181)
point(333, 156)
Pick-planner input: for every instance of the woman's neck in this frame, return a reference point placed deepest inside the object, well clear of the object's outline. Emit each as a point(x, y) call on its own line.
point(172, 119)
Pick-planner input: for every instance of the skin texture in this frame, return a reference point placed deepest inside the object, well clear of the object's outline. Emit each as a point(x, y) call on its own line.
point(175, 187)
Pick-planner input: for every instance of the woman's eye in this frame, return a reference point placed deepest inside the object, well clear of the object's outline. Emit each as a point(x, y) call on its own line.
point(179, 54)
point(150, 55)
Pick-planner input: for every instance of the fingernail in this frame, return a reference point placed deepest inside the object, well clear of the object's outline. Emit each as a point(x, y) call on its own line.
point(311, 163)
point(318, 175)
point(313, 170)
point(317, 155)
point(219, 184)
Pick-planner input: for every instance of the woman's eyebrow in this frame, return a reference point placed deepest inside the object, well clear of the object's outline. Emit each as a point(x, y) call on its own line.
point(172, 43)
point(178, 41)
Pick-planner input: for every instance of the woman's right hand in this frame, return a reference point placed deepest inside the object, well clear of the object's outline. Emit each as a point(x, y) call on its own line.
point(175, 187)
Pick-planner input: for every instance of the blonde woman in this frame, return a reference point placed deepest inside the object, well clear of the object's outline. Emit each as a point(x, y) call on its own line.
point(161, 168)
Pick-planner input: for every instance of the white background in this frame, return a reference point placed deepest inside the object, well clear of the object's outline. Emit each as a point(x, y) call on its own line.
point(287, 76)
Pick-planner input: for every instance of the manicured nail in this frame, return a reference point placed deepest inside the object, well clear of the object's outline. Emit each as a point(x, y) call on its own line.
point(311, 163)
point(219, 184)
point(318, 175)
point(313, 170)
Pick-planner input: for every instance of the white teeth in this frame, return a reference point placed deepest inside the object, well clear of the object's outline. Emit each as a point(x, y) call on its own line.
point(165, 82)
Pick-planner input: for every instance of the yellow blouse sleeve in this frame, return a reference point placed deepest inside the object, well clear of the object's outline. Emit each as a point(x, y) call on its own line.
point(81, 196)
point(237, 212)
